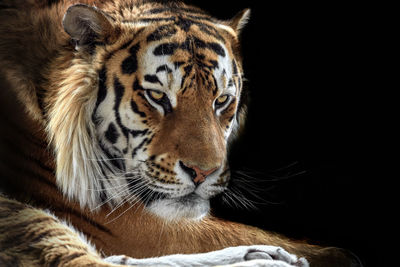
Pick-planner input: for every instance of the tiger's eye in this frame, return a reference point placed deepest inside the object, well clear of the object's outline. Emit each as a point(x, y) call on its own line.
point(221, 100)
point(157, 95)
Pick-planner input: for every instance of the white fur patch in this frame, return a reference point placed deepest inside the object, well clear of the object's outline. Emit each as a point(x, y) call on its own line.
point(263, 256)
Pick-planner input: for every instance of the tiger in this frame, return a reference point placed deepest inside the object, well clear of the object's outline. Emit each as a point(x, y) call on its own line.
point(116, 121)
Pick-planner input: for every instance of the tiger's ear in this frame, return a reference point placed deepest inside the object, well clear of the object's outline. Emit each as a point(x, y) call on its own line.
point(86, 25)
point(240, 20)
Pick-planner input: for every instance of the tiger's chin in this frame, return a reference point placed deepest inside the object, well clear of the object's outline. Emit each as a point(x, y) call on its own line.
point(191, 207)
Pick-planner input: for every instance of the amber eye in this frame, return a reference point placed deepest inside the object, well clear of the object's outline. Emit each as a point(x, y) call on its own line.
point(156, 95)
point(221, 101)
point(160, 98)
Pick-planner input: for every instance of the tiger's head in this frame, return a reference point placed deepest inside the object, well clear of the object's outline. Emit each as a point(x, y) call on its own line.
point(147, 106)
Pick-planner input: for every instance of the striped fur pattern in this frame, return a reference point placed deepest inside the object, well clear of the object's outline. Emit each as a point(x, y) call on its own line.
point(129, 109)
point(141, 102)
point(34, 239)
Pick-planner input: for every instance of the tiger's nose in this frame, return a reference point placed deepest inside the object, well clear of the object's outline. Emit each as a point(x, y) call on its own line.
point(197, 174)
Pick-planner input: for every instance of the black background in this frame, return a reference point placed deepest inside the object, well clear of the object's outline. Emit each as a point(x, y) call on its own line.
point(308, 151)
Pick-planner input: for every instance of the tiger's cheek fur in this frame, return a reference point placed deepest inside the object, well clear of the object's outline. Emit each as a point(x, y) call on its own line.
point(126, 118)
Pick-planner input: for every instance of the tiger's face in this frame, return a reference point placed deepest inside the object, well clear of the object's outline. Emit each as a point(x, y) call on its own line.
point(166, 105)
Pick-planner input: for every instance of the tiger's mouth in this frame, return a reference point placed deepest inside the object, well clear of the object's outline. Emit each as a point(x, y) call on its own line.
point(184, 199)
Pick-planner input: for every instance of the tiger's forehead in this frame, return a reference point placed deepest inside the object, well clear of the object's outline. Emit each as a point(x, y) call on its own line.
point(155, 52)
point(181, 34)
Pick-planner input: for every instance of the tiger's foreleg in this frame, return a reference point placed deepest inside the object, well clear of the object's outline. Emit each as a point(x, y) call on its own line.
point(33, 237)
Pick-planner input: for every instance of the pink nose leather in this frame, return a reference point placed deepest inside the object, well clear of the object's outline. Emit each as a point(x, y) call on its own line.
point(201, 174)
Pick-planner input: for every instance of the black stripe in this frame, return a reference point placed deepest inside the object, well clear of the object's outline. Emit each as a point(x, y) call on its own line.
point(217, 48)
point(137, 86)
point(119, 92)
point(173, 18)
point(14, 239)
point(158, 10)
point(136, 109)
point(161, 32)
point(8, 206)
point(211, 31)
point(200, 57)
point(136, 133)
point(176, 10)
point(202, 18)
point(163, 68)
point(230, 83)
point(214, 64)
point(125, 45)
point(215, 85)
point(184, 23)
point(20, 227)
point(150, 140)
point(170, 48)
point(111, 133)
point(187, 71)
point(40, 94)
point(115, 161)
point(177, 64)
point(54, 262)
point(102, 92)
point(46, 234)
point(130, 64)
point(165, 49)
point(152, 79)
point(192, 11)
point(141, 95)
point(19, 237)
point(199, 43)
point(139, 147)
point(103, 193)
point(235, 68)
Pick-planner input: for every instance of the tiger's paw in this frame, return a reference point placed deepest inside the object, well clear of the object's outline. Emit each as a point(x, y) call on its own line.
point(275, 254)
point(262, 256)
point(262, 263)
